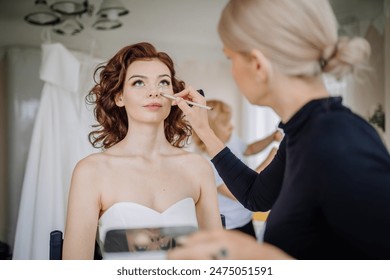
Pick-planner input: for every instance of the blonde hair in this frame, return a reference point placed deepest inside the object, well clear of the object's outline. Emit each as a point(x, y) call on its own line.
point(298, 36)
point(221, 112)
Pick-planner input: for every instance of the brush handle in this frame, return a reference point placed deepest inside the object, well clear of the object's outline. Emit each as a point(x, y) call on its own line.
point(188, 102)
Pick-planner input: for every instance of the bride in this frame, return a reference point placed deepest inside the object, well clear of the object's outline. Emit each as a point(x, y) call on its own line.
point(143, 177)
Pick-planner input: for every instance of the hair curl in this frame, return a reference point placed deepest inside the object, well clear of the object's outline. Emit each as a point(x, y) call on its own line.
point(112, 120)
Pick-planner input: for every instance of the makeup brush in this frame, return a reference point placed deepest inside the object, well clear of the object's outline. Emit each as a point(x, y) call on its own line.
point(187, 101)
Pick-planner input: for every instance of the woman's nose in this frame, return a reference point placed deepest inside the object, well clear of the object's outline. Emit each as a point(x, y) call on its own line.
point(153, 93)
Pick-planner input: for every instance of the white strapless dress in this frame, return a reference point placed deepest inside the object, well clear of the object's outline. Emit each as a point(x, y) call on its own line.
point(130, 215)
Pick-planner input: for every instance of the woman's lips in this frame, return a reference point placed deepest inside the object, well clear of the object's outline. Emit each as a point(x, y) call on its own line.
point(153, 106)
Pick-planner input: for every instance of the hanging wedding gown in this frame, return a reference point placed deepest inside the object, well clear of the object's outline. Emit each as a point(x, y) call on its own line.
point(59, 141)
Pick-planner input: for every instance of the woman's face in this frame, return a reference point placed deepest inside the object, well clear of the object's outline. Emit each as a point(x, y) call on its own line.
point(145, 80)
point(244, 74)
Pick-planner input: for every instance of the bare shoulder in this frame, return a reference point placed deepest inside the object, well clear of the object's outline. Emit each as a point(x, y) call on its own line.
point(89, 162)
point(89, 166)
point(197, 163)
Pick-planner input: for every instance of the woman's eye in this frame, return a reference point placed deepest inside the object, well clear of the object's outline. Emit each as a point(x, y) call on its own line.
point(138, 83)
point(164, 83)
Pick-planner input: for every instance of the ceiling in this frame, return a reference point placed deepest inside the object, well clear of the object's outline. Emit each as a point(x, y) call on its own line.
point(185, 25)
point(182, 27)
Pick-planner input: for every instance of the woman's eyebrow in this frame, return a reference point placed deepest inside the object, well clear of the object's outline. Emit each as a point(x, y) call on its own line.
point(145, 77)
point(164, 75)
point(137, 76)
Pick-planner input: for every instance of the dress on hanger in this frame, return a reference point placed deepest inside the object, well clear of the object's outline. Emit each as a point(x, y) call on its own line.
point(59, 141)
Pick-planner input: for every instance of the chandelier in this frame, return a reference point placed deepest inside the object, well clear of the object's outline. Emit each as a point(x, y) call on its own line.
point(65, 15)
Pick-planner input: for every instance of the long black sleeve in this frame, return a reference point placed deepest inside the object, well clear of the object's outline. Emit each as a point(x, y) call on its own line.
point(256, 191)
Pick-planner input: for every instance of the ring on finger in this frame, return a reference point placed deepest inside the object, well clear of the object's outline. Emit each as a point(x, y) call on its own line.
point(220, 255)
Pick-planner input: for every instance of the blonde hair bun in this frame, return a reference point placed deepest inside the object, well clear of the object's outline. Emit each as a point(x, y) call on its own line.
point(348, 54)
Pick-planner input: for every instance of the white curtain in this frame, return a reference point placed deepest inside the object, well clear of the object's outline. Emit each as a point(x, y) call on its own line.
point(58, 141)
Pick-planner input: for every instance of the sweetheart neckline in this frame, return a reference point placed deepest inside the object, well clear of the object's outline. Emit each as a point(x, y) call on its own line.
point(144, 206)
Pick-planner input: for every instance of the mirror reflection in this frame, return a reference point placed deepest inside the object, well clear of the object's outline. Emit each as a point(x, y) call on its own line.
point(145, 239)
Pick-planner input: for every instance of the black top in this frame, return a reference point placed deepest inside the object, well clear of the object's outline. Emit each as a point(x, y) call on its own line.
point(328, 186)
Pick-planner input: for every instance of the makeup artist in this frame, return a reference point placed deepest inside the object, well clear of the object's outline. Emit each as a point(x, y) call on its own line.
point(328, 186)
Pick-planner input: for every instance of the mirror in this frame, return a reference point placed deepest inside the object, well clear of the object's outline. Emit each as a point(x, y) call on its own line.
point(138, 240)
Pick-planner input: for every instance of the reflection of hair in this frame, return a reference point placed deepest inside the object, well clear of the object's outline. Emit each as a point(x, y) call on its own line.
point(221, 112)
point(299, 37)
point(113, 123)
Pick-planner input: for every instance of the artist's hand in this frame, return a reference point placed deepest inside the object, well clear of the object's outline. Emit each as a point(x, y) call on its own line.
point(278, 136)
point(197, 117)
point(225, 244)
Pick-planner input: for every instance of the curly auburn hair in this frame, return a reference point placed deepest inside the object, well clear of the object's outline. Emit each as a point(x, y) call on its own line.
point(112, 120)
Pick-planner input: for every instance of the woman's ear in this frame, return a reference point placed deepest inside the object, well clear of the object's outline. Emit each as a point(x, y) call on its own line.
point(119, 100)
point(261, 66)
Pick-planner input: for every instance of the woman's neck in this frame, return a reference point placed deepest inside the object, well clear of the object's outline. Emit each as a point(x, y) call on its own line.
point(146, 140)
point(292, 93)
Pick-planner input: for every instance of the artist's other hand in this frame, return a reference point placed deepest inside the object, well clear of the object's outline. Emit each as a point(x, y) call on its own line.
point(225, 244)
